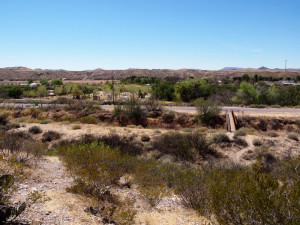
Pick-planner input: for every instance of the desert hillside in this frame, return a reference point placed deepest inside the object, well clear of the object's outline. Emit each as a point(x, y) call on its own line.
point(23, 73)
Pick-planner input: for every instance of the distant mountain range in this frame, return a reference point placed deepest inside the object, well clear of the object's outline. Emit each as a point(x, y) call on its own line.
point(23, 73)
point(260, 68)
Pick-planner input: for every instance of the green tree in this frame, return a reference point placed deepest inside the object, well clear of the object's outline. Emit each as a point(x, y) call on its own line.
point(247, 93)
point(58, 90)
point(191, 89)
point(15, 92)
point(30, 81)
point(42, 91)
point(56, 82)
point(246, 77)
point(76, 92)
point(44, 81)
point(164, 91)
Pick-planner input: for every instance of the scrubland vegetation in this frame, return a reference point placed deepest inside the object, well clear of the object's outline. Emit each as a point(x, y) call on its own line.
point(267, 192)
point(249, 177)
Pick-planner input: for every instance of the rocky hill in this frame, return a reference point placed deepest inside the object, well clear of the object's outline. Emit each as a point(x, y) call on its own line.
point(23, 73)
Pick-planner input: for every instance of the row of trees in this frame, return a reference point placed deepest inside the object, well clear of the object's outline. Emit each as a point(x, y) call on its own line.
point(244, 93)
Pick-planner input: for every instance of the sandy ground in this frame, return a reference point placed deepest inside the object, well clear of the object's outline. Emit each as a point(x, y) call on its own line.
point(56, 206)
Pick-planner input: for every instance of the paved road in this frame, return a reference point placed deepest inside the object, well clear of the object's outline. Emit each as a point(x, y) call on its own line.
point(186, 108)
point(226, 108)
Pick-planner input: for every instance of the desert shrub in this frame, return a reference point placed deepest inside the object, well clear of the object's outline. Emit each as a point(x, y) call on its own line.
point(50, 136)
point(260, 152)
point(237, 195)
point(275, 124)
point(123, 143)
point(76, 127)
point(185, 146)
point(152, 105)
point(21, 146)
point(241, 142)
point(96, 165)
point(249, 197)
point(240, 132)
point(257, 142)
point(132, 109)
point(145, 138)
point(68, 118)
point(35, 130)
point(272, 134)
point(46, 121)
point(4, 118)
point(117, 112)
point(168, 117)
point(89, 120)
point(207, 110)
point(220, 138)
point(194, 190)
point(293, 136)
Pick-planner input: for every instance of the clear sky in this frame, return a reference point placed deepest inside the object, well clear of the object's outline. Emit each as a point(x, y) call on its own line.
point(172, 34)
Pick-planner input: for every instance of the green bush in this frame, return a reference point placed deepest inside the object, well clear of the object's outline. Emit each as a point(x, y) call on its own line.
point(241, 142)
point(50, 136)
point(145, 138)
point(4, 118)
point(185, 146)
point(89, 120)
point(240, 132)
point(272, 134)
point(132, 109)
point(257, 142)
point(35, 130)
point(168, 117)
point(207, 110)
point(220, 138)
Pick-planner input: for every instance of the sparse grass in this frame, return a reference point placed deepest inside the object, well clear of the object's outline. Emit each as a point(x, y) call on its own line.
point(89, 120)
point(46, 121)
point(37, 196)
point(21, 119)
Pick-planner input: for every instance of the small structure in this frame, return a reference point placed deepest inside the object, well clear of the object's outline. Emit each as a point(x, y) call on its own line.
point(32, 85)
point(286, 82)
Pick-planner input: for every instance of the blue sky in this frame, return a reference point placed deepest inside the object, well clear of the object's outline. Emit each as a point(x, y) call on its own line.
point(172, 34)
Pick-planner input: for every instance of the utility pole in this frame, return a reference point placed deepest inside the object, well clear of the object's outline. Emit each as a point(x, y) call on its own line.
point(113, 87)
point(285, 64)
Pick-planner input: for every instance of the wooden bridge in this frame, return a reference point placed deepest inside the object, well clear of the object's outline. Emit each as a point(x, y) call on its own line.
point(231, 121)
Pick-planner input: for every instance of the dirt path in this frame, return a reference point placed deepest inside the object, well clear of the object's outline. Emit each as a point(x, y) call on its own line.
point(55, 205)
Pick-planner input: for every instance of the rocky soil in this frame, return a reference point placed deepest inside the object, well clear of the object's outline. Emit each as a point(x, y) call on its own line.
point(50, 203)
